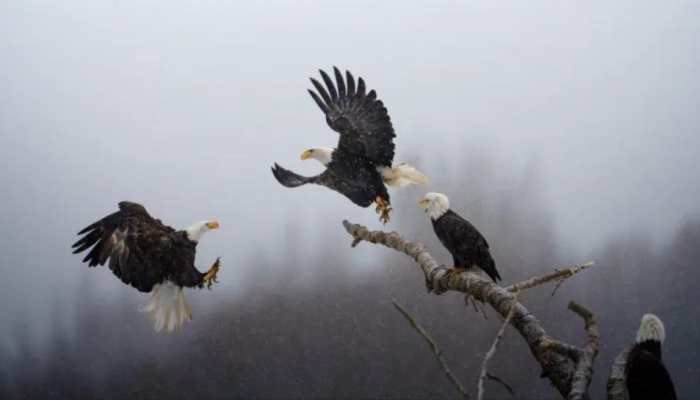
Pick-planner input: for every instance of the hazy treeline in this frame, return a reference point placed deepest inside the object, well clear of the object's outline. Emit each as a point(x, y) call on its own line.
point(336, 334)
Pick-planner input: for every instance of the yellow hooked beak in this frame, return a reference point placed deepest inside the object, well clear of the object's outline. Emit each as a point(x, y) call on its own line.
point(423, 203)
point(306, 154)
point(213, 224)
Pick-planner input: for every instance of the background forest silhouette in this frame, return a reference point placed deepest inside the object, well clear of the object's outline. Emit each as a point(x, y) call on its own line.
point(565, 131)
point(329, 333)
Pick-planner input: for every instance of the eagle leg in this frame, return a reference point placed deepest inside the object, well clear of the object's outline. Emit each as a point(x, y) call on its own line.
point(383, 209)
point(210, 277)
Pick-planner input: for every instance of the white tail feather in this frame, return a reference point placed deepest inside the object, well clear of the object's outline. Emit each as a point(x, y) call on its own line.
point(168, 307)
point(403, 174)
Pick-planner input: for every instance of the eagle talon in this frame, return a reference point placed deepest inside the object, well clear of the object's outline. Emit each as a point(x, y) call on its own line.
point(383, 209)
point(454, 271)
point(210, 277)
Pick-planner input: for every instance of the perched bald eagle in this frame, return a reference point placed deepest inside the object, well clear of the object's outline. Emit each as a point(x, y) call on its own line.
point(466, 244)
point(361, 164)
point(645, 373)
point(150, 256)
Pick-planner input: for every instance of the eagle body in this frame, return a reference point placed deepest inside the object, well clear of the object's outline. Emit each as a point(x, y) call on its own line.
point(356, 178)
point(150, 256)
point(467, 245)
point(141, 250)
point(645, 374)
point(365, 145)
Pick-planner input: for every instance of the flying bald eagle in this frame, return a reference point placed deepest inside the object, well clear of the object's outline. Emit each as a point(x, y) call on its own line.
point(645, 373)
point(361, 164)
point(466, 244)
point(150, 256)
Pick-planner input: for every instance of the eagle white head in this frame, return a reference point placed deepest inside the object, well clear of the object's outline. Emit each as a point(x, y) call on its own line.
point(196, 230)
point(434, 204)
point(651, 328)
point(320, 154)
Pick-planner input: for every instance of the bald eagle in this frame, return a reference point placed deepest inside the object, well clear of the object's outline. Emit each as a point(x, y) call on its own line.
point(150, 256)
point(645, 373)
point(361, 164)
point(466, 244)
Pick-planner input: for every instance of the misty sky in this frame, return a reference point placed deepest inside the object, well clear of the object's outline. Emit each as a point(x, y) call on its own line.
point(183, 106)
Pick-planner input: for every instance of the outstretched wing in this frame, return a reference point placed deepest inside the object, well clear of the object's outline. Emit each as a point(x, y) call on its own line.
point(131, 240)
point(290, 179)
point(360, 118)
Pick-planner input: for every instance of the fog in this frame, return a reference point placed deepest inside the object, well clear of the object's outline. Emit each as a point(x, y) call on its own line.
point(563, 131)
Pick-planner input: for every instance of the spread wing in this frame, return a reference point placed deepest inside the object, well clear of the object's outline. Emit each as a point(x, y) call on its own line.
point(132, 241)
point(360, 118)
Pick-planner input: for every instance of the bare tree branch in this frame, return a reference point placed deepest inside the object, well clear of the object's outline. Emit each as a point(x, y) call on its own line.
point(557, 286)
point(434, 347)
point(558, 275)
point(562, 348)
point(502, 382)
point(558, 368)
point(477, 308)
point(584, 366)
point(617, 386)
point(492, 351)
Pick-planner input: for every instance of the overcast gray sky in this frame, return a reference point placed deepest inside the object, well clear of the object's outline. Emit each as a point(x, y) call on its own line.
point(183, 106)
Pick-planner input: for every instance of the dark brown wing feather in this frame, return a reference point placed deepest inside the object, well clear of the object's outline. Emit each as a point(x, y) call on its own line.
point(466, 244)
point(140, 249)
point(360, 118)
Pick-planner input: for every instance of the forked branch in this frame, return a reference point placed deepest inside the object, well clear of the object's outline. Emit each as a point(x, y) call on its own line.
point(565, 372)
point(489, 355)
point(558, 275)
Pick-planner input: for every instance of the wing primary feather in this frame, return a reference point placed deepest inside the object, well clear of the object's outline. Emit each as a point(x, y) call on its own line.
point(318, 101)
point(351, 83)
point(88, 240)
point(321, 91)
point(82, 248)
point(329, 85)
point(339, 81)
point(90, 227)
point(372, 95)
point(92, 256)
point(360, 87)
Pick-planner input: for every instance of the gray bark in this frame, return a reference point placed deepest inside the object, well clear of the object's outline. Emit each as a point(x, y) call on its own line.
point(569, 375)
point(617, 388)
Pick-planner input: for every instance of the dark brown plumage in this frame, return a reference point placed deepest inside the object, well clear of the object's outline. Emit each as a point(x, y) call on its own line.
point(646, 375)
point(141, 250)
point(365, 142)
point(466, 244)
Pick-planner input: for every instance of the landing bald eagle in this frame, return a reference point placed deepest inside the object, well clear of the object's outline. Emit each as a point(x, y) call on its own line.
point(361, 164)
point(466, 244)
point(645, 373)
point(150, 256)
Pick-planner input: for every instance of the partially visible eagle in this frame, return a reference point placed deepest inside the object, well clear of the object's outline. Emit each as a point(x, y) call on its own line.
point(362, 162)
point(150, 256)
point(645, 374)
point(467, 245)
